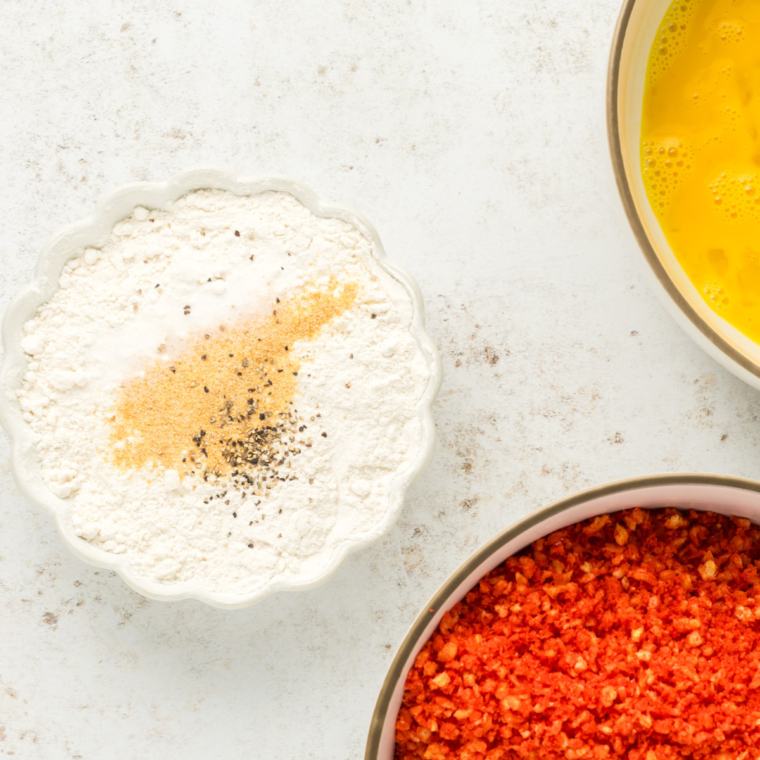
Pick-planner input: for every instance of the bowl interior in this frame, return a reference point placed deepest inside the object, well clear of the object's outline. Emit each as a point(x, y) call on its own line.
point(741, 499)
point(638, 26)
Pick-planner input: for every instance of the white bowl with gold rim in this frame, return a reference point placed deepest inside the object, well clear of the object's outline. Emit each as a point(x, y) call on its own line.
point(93, 232)
point(722, 494)
point(636, 31)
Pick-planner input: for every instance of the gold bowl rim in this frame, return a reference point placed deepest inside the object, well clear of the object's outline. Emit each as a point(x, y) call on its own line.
point(442, 596)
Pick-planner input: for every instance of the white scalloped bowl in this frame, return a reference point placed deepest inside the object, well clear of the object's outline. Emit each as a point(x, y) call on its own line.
point(94, 232)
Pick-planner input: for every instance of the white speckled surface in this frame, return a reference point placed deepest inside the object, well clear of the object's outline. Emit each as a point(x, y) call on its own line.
point(472, 135)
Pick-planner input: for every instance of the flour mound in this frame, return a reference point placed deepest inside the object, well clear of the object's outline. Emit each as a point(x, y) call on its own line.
point(167, 278)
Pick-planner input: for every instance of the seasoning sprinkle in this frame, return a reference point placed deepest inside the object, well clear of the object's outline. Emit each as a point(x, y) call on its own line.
point(233, 443)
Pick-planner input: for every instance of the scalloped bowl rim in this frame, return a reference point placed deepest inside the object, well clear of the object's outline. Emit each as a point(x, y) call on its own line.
point(93, 231)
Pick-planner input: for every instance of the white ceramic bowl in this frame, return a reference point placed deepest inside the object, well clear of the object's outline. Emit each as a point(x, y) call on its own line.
point(94, 231)
point(715, 493)
point(636, 30)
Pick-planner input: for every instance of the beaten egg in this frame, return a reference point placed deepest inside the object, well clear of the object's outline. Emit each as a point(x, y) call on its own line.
point(700, 149)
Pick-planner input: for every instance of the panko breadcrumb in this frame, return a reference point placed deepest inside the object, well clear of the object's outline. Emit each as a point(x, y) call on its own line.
point(633, 635)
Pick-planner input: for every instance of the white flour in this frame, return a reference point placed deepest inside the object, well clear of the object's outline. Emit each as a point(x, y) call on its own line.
point(167, 276)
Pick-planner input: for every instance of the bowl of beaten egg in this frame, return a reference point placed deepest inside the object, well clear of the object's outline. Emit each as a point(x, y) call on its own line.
point(683, 117)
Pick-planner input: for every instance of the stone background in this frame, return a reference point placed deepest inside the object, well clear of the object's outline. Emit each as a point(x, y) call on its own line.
point(472, 135)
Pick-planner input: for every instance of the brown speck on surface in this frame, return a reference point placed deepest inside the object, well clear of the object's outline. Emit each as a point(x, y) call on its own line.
point(724, 436)
point(237, 233)
point(49, 618)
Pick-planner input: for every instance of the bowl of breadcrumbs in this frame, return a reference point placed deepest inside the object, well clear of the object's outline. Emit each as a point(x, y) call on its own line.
point(623, 622)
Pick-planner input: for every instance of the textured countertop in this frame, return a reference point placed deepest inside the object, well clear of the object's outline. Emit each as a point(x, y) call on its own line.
point(472, 135)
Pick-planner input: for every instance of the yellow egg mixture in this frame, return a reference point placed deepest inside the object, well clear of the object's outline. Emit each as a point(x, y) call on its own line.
point(700, 149)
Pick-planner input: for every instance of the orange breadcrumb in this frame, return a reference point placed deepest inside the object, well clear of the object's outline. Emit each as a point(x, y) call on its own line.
point(631, 635)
